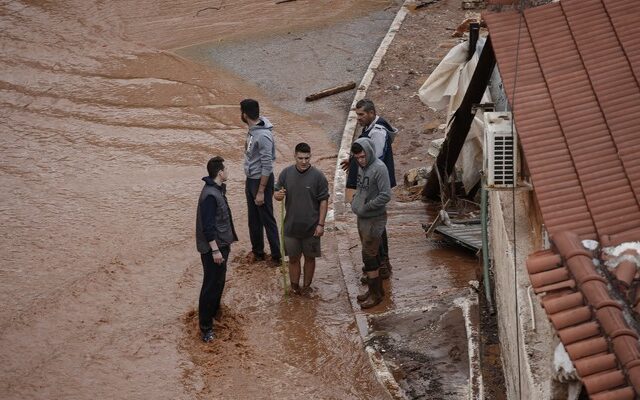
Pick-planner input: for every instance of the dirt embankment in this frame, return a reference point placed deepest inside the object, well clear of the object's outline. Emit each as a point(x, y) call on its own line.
point(104, 141)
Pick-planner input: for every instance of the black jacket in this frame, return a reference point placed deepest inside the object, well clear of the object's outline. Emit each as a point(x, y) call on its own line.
point(213, 217)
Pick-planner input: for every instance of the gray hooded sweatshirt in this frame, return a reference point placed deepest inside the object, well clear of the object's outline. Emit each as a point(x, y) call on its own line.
point(373, 190)
point(260, 150)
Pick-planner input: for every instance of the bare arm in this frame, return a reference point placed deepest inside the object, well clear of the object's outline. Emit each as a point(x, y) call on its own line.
point(324, 205)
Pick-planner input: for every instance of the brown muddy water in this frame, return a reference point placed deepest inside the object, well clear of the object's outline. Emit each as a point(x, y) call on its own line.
point(105, 138)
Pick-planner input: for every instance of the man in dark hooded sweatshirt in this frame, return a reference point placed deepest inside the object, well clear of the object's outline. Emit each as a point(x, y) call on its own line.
point(259, 156)
point(369, 203)
point(214, 234)
point(382, 134)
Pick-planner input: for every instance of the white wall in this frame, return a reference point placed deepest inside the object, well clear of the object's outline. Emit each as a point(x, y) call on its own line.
point(515, 323)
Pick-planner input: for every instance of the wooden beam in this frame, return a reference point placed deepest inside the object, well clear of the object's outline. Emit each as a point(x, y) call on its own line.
point(462, 119)
point(331, 91)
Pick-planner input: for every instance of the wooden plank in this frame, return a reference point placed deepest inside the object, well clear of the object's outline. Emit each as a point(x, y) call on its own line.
point(331, 91)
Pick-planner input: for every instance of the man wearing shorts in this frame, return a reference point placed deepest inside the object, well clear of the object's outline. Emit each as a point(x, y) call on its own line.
point(307, 192)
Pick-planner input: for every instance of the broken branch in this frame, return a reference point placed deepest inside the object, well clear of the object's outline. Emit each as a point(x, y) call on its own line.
point(331, 91)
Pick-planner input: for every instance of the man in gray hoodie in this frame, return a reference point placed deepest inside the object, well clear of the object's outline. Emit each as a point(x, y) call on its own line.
point(259, 156)
point(369, 203)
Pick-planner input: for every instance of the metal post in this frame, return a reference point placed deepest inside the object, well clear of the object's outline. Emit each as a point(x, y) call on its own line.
point(485, 247)
point(474, 34)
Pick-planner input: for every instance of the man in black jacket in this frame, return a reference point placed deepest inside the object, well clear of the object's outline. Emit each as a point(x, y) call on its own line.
point(214, 234)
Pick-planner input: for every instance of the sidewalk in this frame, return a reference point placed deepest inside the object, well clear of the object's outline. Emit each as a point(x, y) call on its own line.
point(422, 340)
point(423, 337)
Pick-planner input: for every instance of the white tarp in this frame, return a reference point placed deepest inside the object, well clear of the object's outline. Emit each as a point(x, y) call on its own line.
point(444, 90)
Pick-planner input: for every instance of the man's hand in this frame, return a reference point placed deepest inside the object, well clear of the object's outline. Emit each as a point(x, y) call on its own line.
point(217, 257)
point(279, 195)
point(319, 231)
point(344, 164)
point(259, 198)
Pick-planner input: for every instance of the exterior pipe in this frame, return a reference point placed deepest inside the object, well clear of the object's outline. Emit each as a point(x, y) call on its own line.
point(485, 247)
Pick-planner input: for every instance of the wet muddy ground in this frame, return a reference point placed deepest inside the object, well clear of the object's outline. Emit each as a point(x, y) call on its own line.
point(106, 138)
point(426, 329)
point(428, 272)
point(426, 350)
point(103, 148)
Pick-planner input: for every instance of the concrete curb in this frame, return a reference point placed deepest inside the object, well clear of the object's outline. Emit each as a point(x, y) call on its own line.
point(342, 218)
point(476, 384)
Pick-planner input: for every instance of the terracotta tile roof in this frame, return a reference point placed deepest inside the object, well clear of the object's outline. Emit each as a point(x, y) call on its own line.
point(577, 109)
point(597, 327)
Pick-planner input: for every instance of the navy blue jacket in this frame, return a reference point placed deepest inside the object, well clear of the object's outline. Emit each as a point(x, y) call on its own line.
point(387, 153)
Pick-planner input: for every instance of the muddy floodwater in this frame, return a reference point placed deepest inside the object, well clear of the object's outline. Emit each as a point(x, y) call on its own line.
point(110, 112)
point(105, 136)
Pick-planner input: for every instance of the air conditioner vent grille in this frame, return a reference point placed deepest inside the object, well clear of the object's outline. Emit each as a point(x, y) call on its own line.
point(500, 149)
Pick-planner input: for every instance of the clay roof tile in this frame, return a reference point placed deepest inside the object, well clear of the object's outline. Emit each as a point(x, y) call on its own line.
point(603, 381)
point(591, 365)
point(578, 106)
point(626, 393)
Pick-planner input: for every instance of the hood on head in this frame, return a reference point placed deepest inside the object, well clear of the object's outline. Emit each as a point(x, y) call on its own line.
point(367, 145)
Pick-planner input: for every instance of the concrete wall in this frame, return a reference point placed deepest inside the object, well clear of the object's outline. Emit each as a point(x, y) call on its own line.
point(516, 327)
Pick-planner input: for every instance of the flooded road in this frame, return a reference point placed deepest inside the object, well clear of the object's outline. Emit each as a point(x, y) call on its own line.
point(105, 138)
point(111, 110)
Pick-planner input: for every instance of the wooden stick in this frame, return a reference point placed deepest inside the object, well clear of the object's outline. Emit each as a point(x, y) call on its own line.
point(331, 91)
point(425, 3)
point(283, 267)
point(434, 224)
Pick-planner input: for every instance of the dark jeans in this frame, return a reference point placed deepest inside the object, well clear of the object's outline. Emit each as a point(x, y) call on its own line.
point(261, 218)
point(370, 231)
point(383, 251)
point(212, 287)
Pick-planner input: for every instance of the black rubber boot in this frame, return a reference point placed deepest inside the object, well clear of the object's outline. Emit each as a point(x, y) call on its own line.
point(385, 268)
point(376, 293)
point(365, 296)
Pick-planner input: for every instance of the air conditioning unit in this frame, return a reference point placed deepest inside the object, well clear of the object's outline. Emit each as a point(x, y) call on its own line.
point(500, 150)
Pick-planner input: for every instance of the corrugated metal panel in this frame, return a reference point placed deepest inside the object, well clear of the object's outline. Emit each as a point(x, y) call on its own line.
point(469, 236)
point(536, 124)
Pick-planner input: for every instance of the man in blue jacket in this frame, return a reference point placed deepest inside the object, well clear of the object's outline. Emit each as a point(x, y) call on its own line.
point(214, 234)
point(259, 156)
